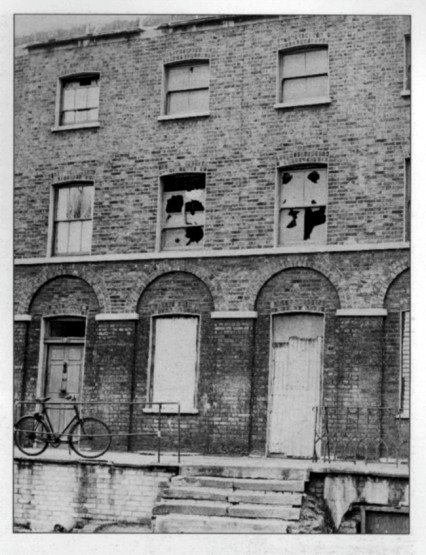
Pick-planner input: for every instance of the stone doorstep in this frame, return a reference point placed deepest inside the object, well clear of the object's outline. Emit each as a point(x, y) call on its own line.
point(242, 483)
point(212, 508)
point(230, 496)
point(229, 471)
point(175, 524)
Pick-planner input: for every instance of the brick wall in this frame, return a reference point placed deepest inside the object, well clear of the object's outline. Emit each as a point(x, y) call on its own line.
point(240, 143)
point(45, 492)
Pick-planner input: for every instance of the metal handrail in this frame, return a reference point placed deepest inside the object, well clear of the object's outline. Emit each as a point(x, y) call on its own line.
point(69, 405)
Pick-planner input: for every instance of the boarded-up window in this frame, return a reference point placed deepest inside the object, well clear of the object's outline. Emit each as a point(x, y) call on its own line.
point(72, 233)
point(174, 359)
point(405, 362)
point(304, 75)
point(79, 100)
point(302, 205)
point(187, 88)
point(183, 211)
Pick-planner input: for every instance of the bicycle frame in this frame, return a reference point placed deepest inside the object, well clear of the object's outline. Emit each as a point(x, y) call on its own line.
point(56, 437)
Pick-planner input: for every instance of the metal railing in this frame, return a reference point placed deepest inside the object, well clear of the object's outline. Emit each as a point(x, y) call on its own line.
point(368, 434)
point(141, 420)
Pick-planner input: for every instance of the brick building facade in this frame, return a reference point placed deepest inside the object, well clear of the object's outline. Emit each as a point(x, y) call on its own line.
point(200, 189)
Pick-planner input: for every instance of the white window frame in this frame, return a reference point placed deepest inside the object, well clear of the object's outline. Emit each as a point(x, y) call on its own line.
point(165, 115)
point(59, 94)
point(278, 208)
point(306, 101)
point(407, 199)
point(52, 221)
point(404, 410)
point(172, 409)
point(160, 214)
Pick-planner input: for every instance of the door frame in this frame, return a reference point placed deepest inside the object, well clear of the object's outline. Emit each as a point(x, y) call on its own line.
point(271, 364)
point(44, 348)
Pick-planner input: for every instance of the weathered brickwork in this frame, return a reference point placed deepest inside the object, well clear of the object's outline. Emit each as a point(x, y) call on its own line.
point(362, 135)
point(46, 493)
point(241, 141)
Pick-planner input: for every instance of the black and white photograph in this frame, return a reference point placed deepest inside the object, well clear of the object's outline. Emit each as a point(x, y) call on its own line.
point(212, 318)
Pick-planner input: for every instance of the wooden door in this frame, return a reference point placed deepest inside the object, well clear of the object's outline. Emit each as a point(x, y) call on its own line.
point(295, 384)
point(63, 377)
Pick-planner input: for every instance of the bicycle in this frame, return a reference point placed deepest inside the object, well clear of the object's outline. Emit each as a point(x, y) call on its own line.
point(88, 437)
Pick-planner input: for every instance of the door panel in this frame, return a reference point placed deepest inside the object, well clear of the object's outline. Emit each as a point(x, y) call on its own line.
point(295, 384)
point(63, 376)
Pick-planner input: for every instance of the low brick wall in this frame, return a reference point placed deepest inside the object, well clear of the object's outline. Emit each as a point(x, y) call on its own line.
point(47, 492)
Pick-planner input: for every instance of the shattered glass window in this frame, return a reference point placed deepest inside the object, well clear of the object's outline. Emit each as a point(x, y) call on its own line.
point(302, 210)
point(183, 211)
point(304, 74)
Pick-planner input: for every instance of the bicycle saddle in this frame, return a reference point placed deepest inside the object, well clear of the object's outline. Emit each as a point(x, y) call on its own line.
point(42, 400)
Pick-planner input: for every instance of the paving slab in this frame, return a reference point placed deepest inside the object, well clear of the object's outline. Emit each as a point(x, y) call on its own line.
point(284, 498)
point(264, 511)
point(185, 524)
point(212, 494)
point(190, 507)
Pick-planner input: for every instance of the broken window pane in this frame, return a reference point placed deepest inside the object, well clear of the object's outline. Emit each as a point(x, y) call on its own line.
point(291, 226)
point(292, 191)
point(316, 187)
point(315, 224)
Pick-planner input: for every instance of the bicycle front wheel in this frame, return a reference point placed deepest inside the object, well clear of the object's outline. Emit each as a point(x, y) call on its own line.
point(90, 438)
point(31, 435)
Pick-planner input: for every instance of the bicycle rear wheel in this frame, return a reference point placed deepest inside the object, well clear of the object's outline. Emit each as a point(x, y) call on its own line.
point(90, 438)
point(31, 435)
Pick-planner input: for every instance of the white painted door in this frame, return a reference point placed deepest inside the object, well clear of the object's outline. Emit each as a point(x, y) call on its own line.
point(295, 384)
point(64, 367)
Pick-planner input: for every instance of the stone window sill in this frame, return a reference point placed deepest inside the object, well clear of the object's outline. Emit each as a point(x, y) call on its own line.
point(90, 125)
point(303, 102)
point(184, 116)
point(406, 92)
point(404, 415)
point(169, 410)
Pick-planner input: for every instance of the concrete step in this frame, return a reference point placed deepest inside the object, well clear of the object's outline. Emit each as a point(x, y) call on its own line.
point(241, 483)
point(187, 524)
point(237, 471)
point(248, 510)
point(190, 507)
point(231, 496)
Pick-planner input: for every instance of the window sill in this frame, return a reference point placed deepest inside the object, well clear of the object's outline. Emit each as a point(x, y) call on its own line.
point(303, 102)
point(184, 116)
point(90, 125)
point(406, 92)
point(169, 410)
point(404, 415)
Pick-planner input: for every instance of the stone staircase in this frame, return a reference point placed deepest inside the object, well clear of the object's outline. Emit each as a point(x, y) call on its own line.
point(230, 500)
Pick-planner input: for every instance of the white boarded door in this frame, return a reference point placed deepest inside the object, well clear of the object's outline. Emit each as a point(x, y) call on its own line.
point(175, 361)
point(295, 383)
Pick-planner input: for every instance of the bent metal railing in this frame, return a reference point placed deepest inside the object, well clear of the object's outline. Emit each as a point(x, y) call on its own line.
point(142, 420)
point(368, 434)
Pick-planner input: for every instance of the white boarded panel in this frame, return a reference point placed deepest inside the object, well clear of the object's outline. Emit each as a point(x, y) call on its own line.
point(295, 390)
point(294, 89)
point(86, 202)
point(62, 200)
point(316, 61)
point(68, 99)
point(292, 183)
point(175, 359)
point(199, 76)
point(86, 236)
point(198, 101)
point(316, 86)
point(294, 65)
point(178, 78)
point(315, 186)
point(68, 117)
point(81, 116)
point(177, 102)
point(81, 98)
point(93, 97)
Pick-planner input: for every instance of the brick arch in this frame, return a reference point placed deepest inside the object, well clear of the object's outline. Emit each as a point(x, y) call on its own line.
point(189, 53)
point(304, 39)
point(330, 272)
point(219, 295)
point(47, 274)
point(183, 166)
point(398, 273)
point(310, 156)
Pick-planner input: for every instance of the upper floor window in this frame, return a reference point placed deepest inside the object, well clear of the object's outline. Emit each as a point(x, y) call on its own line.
point(79, 100)
point(302, 205)
point(187, 89)
point(183, 210)
point(303, 76)
point(407, 198)
point(405, 363)
point(407, 67)
point(72, 220)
